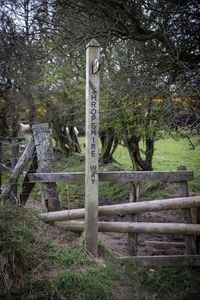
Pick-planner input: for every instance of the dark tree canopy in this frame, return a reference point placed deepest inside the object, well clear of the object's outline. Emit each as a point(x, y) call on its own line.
point(175, 24)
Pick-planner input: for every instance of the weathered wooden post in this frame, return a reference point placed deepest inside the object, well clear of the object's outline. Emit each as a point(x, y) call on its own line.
point(15, 154)
point(44, 148)
point(184, 192)
point(133, 237)
point(91, 156)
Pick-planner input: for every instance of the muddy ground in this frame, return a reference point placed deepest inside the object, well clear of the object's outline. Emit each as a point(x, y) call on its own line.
point(148, 244)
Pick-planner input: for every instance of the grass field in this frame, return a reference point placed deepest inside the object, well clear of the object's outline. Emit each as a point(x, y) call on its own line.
point(168, 155)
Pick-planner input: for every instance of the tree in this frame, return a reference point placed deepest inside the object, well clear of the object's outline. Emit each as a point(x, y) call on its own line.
point(174, 24)
point(164, 54)
point(133, 86)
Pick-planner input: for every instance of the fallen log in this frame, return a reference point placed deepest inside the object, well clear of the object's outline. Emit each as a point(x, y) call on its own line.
point(123, 209)
point(137, 227)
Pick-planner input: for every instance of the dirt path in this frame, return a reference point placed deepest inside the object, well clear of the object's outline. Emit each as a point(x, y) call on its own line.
point(148, 244)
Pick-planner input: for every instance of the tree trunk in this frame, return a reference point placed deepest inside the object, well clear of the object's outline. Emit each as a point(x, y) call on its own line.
point(149, 155)
point(134, 152)
point(74, 140)
point(109, 144)
point(61, 138)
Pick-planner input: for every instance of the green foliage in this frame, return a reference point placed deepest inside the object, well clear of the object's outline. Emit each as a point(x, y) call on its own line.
point(35, 288)
point(113, 191)
point(91, 284)
point(14, 238)
point(66, 272)
point(67, 256)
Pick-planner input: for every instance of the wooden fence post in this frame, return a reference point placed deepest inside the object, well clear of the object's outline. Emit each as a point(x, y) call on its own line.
point(184, 192)
point(15, 154)
point(91, 156)
point(132, 237)
point(44, 148)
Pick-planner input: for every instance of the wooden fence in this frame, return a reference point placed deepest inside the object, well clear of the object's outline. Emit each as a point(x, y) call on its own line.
point(74, 219)
point(67, 219)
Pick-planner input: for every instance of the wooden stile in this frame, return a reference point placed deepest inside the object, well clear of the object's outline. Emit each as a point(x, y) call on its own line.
point(138, 227)
point(124, 209)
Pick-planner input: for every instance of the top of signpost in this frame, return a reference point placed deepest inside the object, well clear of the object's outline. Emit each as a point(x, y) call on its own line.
point(93, 43)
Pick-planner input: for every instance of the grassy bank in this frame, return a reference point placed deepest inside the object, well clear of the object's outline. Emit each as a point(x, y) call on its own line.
point(40, 262)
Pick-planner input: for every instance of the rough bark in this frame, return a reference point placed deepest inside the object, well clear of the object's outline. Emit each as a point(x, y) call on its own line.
point(109, 144)
point(74, 140)
point(132, 143)
point(66, 141)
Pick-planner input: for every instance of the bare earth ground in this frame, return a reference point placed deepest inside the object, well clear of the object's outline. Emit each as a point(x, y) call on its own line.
point(117, 242)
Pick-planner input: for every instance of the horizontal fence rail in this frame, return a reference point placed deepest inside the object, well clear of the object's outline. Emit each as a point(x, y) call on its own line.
point(123, 209)
point(123, 176)
point(137, 227)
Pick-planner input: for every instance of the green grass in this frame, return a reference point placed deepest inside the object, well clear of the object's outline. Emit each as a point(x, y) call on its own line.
point(169, 153)
point(37, 267)
point(34, 266)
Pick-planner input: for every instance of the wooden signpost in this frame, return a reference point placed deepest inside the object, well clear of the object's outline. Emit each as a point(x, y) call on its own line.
point(91, 156)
